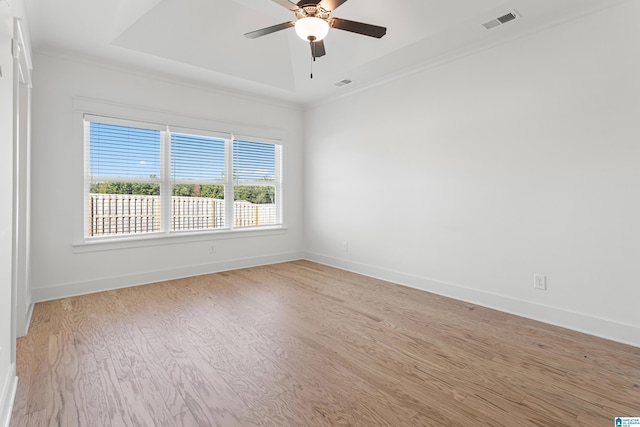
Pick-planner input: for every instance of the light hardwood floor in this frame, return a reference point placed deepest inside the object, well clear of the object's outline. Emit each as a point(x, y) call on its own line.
point(300, 344)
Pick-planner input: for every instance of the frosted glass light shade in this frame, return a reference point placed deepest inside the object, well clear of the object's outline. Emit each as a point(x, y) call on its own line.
point(313, 27)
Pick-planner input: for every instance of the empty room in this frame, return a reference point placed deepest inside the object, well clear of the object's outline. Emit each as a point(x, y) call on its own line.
point(322, 213)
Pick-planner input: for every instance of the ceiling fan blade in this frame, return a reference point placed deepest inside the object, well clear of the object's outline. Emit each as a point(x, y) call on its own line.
point(331, 5)
point(302, 3)
point(317, 49)
point(358, 27)
point(269, 30)
point(286, 3)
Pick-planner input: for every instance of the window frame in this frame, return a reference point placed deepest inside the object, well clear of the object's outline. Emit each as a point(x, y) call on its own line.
point(185, 126)
point(88, 178)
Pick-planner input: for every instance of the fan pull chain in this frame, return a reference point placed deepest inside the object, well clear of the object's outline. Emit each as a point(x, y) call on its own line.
point(313, 56)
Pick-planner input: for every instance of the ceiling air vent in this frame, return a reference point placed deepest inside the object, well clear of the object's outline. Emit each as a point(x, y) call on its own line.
point(343, 82)
point(506, 18)
point(500, 20)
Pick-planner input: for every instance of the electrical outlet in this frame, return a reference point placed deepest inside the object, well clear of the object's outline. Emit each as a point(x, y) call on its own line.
point(540, 282)
point(345, 246)
point(212, 249)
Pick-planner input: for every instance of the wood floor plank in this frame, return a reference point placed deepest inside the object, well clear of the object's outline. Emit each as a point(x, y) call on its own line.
point(56, 408)
point(149, 369)
point(364, 352)
point(115, 402)
point(38, 419)
point(186, 419)
point(370, 398)
point(288, 381)
point(210, 391)
point(300, 343)
point(88, 393)
point(293, 353)
point(150, 408)
point(38, 376)
point(185, 378)
point(24, 346)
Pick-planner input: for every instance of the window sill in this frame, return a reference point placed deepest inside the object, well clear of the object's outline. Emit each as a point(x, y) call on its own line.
point(158, 239)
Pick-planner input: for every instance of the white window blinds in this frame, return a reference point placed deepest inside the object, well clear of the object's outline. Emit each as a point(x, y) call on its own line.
point(197, 158)
point(197, 181)
point(124, 178)
point(257, 183)
point(123, 152)
point(254, 162)
point(149, 178)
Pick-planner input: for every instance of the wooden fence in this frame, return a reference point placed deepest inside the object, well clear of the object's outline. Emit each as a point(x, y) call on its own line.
point(122, 214)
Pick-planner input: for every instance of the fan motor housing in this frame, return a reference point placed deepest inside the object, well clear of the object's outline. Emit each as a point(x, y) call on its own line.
point(312, 11)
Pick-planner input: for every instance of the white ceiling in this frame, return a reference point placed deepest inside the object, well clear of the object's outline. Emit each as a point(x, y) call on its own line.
point(203, 40)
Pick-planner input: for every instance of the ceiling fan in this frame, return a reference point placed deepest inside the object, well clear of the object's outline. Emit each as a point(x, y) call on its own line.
point(313, 23)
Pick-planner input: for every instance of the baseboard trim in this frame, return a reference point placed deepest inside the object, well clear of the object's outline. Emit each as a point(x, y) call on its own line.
point(109, 283)
point(27, 320)
point(8, 395)
point(603, 328)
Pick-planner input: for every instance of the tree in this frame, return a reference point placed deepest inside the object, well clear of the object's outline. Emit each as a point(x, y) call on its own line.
point(250, 193)
point(254, 194)
point(135, 188)
point(184, 190)
point(198, 190)
point(212, 191)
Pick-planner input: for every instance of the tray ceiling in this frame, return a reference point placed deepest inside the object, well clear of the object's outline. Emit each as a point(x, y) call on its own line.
point(202, 40)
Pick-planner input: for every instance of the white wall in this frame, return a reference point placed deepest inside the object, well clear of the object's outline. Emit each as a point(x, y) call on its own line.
point(57, 180)
point(7, 365)
point(467, 178)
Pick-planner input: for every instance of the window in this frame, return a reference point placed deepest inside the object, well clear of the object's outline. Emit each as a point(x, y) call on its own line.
point(256, 170)
point(197, 182)
point(145, 178)
point(124, 179)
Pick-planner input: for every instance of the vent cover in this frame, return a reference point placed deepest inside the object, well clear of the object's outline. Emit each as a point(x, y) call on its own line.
point(500, 20)
point(343, 82)
point(506, 18)
point(491, 24)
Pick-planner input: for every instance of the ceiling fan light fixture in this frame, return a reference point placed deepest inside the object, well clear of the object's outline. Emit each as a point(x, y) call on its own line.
point(312, 28)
